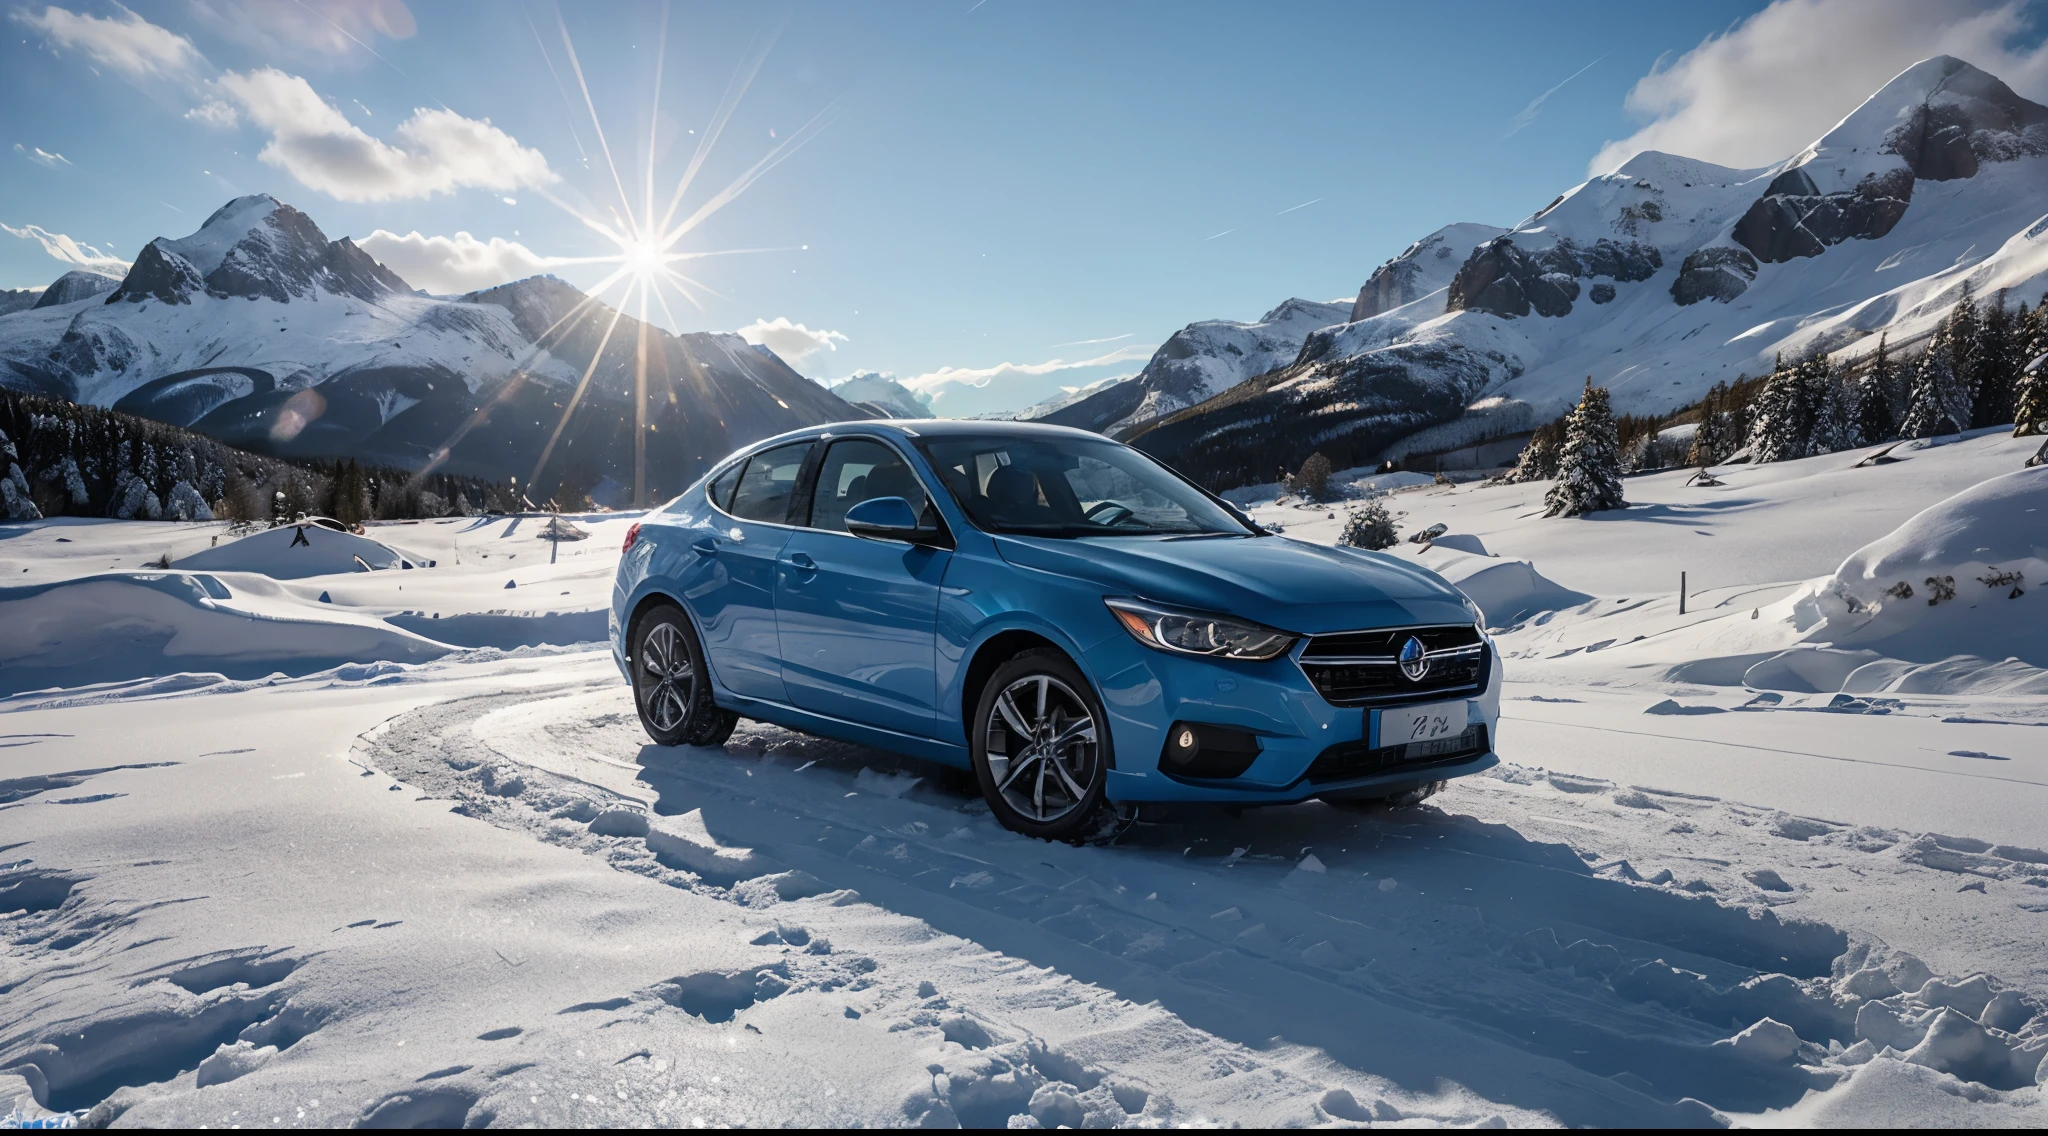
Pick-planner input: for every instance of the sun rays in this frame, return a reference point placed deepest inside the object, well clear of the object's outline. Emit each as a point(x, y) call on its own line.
point(647, 239)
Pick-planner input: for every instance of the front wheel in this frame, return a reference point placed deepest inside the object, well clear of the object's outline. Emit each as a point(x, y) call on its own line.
point(670, 684)
point(1041, 748)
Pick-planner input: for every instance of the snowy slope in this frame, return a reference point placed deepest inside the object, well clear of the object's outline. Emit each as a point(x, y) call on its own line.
point(1199, 361)
point(460, 887)
point(259, 331)
point(1668, 275)
point(1423, 268)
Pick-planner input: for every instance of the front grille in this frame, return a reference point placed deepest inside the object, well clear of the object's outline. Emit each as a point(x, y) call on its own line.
point(1352, 668)
point(1347, 760)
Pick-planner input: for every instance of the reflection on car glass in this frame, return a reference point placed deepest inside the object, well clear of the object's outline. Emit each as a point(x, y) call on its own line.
point(1073, 487)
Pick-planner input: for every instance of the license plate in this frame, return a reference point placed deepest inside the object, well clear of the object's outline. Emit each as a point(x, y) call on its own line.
point(1409, 725)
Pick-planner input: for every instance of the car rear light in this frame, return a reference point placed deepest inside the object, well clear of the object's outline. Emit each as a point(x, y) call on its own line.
point(632, 538)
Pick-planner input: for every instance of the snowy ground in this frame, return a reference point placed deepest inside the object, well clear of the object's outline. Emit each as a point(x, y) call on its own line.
point(316, 890)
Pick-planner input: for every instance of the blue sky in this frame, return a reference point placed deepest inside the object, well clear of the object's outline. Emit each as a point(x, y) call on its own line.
point(981, 184)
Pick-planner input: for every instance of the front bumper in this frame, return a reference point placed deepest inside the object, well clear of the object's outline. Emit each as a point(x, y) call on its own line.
point(1145, 691)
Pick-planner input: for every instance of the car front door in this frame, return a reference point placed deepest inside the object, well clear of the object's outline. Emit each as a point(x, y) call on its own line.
point(857, 618)
point(736, 613)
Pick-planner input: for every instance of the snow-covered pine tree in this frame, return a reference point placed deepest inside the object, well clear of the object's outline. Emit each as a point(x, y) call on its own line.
point(1834, 423)
point(1993, 366)
point(1369, 526)
point(1938, 402)
point(1708, 446)
point(1777, 426)
point(2030, 400)
point(1538, 459)
point(1965, 324)
point(16, 503)
point(1873, 398)
point(1589, 466)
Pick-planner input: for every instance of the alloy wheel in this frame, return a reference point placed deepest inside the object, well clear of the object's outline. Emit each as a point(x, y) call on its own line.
point(1041, 748)
point(667, 680)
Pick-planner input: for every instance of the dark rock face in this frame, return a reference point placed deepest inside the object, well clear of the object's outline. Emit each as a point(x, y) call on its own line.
point(158, 275)
point(1501, 278)
point(1793, 218)
point(75, 286)
point(1980, 120)
point(1601, 294)
point(1371, 400)
point(1391, 285)
point(1713, 274)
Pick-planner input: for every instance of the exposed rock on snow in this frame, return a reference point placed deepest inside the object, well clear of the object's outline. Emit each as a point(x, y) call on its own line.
point(1421, 269)
point(79, 284)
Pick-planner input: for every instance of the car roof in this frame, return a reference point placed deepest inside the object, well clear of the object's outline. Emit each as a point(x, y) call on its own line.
point(930, 428)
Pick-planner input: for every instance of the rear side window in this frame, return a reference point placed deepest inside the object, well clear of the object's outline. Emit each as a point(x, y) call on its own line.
point(856, 470)
point(720, 489)
point(768, 482)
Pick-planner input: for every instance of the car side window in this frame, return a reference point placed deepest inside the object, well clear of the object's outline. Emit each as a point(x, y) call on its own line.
point(768, 482)
point(856, 470)
point(720, 489)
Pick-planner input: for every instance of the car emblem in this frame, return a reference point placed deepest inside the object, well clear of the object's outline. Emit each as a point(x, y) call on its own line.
point(1414, 660)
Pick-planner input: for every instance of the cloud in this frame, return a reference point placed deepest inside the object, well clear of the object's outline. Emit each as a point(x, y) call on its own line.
point(1528, 114)
point(983, 376)
point(1775, 82)
point(313, 30)
point(215, 113)
point(434, 151)
point(961, 392)
point(124, 42)
point(792, 341)
point(42, 157)
point(461, 263)
point(69, 251)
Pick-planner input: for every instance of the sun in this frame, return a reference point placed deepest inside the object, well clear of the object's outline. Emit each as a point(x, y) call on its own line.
point(643, 258)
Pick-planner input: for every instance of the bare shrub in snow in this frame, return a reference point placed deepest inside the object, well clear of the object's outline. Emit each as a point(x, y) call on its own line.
point(1313, 479)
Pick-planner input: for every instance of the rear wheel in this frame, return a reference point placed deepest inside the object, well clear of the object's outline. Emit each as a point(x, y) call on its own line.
point(1041, 749)
point(670, 685)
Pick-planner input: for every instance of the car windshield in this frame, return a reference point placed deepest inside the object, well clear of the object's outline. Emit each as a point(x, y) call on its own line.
point(1061, 486)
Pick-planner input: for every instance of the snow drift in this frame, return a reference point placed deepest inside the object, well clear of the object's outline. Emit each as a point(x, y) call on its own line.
point(294, 552)
point(119, 626)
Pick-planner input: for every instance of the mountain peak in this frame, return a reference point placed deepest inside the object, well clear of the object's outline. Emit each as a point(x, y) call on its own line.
point(256, 247)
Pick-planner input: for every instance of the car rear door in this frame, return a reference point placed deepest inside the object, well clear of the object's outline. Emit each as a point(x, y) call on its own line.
point(857, 618)
point(736, 614)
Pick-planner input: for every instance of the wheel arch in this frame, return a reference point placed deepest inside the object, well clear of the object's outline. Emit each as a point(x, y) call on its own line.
point(654, 598)
point(1000, 648)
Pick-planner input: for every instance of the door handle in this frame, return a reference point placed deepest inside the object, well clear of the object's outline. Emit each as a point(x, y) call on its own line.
point(705, 546)
point(803, 563)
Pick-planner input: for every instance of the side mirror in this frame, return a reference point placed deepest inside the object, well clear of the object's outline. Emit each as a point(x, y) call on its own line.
point(889, 518)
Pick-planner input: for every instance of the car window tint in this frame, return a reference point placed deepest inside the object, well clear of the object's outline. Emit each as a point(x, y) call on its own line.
point(720, 489)
point(856, 470)
point(765, 487)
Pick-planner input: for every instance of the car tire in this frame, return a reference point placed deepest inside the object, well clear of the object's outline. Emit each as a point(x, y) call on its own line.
point(1036, 700)
point(671, 685)
point(1405, 799)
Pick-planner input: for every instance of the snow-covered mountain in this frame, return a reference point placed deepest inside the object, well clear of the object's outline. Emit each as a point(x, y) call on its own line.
point(1197, 362)
point(259, 331)
point(882, 396)
point(1661, 278)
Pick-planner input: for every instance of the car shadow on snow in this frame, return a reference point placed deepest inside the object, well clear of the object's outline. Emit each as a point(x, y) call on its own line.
point(1420, 945)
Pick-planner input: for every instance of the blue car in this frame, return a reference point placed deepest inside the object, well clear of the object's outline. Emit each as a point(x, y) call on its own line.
point(1080, 626)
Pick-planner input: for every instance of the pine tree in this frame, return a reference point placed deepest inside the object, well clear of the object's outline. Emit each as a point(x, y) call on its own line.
point(1993, 367)
point(1870, 413)
point(1938, 402)
point(1709, 440)
point(1538, 459)
point(1778, 418)
point(1834, 423)
point(1589, 468)
point(2030, 400)
point(1965, 324)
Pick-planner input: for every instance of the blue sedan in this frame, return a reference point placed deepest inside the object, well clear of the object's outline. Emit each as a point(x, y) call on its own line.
point(1083, 628)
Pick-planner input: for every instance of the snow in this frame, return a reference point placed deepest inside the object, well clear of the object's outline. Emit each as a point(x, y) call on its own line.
point(458, 885)
point(293, 552)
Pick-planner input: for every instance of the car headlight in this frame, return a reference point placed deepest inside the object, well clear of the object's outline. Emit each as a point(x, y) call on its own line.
point(1198, 633)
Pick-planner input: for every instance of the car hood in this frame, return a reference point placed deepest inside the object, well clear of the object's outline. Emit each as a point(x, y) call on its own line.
point(1278, 581)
